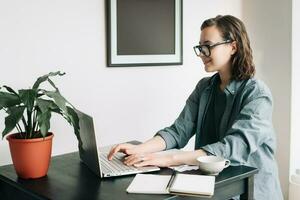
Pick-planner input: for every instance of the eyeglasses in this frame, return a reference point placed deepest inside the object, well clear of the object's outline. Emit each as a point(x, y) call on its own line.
point(205, 49)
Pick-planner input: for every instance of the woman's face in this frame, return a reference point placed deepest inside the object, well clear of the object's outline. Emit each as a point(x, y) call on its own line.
point(220, 57)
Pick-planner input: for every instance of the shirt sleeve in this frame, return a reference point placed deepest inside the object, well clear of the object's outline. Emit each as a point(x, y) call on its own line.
point(252, 128)
point(179, 133)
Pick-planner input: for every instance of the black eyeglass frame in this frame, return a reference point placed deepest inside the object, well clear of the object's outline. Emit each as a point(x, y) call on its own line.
point(209, 47)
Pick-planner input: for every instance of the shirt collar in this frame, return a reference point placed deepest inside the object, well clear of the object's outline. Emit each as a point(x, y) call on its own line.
point(234, 86)
point(231, 88)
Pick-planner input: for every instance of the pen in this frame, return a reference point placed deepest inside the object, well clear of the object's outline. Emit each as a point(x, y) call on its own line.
point(171, 180)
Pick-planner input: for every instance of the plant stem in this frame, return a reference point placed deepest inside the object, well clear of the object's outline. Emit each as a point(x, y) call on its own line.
point(37, 125)
point(34, 122)
point(29, 122)
point(25, 126)
point(19, 129)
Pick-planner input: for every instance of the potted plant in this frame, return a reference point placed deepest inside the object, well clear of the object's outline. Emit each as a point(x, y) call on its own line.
point(29, 112)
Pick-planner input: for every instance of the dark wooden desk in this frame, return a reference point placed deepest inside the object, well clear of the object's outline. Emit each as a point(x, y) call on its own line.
point(68, 178)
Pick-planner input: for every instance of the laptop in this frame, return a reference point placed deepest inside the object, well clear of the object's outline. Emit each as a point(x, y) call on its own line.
point(95, 158)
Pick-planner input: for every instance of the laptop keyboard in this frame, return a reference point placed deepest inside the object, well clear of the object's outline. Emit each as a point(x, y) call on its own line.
point(115, 165)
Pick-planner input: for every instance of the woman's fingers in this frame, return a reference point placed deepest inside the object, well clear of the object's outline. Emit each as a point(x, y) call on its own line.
point(136, 158)
point(150, 160)
point(129, 151)
point(144, 163)
point(119, 148)
point(113, 151)
point(140, 160)
point(154, 160)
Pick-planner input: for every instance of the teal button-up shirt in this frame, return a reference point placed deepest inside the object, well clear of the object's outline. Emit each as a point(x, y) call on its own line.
point(246, 134)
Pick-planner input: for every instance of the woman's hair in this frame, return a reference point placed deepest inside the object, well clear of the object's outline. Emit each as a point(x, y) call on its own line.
point(234, 29)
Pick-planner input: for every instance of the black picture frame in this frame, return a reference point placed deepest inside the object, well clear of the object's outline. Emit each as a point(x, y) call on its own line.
point(144, 33)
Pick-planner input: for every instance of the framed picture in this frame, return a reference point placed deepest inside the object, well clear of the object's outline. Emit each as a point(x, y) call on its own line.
point(144, 32)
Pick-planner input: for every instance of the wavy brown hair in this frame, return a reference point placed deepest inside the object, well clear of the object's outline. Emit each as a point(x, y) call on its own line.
point(234, 29)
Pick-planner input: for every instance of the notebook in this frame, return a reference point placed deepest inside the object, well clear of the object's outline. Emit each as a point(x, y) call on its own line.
point(149, 184)
point(195, 185)
point(178, 183)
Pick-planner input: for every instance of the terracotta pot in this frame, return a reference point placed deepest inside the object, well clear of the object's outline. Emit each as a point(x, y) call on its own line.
point(31, 157)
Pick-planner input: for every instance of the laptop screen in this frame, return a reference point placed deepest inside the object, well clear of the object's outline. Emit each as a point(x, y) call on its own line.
point(88, 153)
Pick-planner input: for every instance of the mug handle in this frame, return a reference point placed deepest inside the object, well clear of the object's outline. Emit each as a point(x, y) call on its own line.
point(227, 163)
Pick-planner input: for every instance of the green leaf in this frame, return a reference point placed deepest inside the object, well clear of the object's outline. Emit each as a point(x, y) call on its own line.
point(28, 97)
point(8, 100)
point(59, 100)
point(61, 103)
point(74, 119)
point(15, 115)
point(43, 119)
point(51, 83)
point(45, 105)
point(45, 108)
point(45, 78)
point(9, 89)
point(75, 122)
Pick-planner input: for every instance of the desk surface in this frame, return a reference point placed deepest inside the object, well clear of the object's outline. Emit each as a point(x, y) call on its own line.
point(68, 178)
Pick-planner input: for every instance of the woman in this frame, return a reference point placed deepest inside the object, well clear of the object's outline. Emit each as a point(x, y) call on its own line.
point(230, 112)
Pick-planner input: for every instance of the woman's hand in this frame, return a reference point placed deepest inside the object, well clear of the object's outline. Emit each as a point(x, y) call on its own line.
point(152, 159)
point(126, 148)
point(164, 160)
point(153, 145)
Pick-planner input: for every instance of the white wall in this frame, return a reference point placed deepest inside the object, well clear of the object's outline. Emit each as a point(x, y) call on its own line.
point(127, 103)
point(295, 112)
point(269, 26)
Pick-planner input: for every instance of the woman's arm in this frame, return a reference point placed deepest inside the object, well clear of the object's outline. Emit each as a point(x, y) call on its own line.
point(184, 127)
point(143, 154)
point(188, 157)
point(251, 130)
point(153, 145)
point(167, 160)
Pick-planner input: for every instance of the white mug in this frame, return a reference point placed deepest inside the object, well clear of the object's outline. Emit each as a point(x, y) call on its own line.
point(212, 165)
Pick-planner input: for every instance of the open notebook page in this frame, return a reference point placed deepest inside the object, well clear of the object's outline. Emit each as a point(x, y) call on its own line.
point(193, 184)
point(149, 184)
